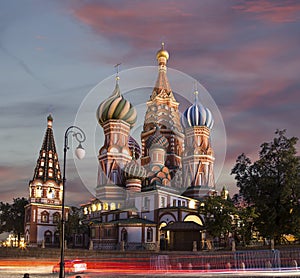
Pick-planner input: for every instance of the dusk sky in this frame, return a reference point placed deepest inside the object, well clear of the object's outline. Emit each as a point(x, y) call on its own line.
point(53, 53)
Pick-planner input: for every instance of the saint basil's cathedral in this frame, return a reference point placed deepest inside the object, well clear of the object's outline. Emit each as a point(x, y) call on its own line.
point(148, 195)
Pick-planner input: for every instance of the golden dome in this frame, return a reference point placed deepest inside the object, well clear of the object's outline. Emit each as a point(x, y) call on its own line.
point(162, 53)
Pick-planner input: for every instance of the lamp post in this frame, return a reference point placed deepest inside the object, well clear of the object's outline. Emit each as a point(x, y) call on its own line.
point(80, 137)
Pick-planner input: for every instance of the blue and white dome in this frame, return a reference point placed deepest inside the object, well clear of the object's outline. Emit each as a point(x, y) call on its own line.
point(197, 115)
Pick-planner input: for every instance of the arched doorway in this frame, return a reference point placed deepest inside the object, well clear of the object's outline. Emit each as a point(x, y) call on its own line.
point(48, 237)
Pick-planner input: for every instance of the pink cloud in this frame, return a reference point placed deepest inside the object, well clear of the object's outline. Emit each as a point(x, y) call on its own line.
point(271, 11)
point(143, 22)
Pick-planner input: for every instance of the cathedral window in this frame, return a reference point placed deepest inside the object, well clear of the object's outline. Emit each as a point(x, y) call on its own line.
point(41, 172)
point(50, 154)
point(112, 206)
point(42, 163)
point(50, 173)
point(45, 217)
point(43, 154)
point(56, 217)
point(149, 234)
point(105, 206)
point(174, 203)
point(50, 193)
point(38, 192)
point(162, 202)
point(114, 175)
point(50, 163)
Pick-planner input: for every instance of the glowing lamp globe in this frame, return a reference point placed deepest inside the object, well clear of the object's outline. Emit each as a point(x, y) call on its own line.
point(80, 152)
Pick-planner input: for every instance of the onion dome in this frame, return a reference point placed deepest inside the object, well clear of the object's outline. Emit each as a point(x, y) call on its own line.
point(197, 115)
point(157, 140)
point(134, 147)
point(133, 170)
point(116, 107)
point(162, 53)
point(159, 175)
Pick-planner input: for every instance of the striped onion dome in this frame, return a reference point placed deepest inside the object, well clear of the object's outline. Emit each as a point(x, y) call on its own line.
point(116, 107)
point(134, 147)
point(157, 140)
point(133, 170)
point(197, 115)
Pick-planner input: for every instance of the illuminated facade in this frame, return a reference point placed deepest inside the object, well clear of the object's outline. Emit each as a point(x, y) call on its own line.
point(43, 213)
point(149, 196)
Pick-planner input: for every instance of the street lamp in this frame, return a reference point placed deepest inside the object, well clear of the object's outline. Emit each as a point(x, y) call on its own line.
point(80, 137)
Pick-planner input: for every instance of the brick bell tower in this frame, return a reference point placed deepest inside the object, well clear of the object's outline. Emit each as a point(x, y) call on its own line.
point(162, 110)
point(42, 214)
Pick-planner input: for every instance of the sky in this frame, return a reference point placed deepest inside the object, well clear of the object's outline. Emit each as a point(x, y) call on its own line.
point(53, 53)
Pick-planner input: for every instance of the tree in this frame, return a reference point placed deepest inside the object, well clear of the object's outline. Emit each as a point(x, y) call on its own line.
point(272, 186)
point(12, 217)
point(244, 220)
point(218, 216)
point(74, 224)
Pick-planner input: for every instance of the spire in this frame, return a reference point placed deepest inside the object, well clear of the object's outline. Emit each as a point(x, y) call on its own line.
point(196, 93)
point(50, 121)
point(47, 167)
point(162, 86)
point(117, 66)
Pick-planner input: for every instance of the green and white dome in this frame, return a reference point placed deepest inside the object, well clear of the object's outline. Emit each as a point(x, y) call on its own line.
point(116, 107)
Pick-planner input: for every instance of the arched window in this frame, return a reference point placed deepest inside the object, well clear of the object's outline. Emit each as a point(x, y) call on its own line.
point(41, 171)
point(48, 237)
point(149, 234)
point(112, 206)
point(50, 193)
point(56, 238)
point(50, 173)
point(38, 191)
point(105, 206)
point(56, 217)
point(45, 217)
point(194, 218)
point(114, 176)
point(124, 235)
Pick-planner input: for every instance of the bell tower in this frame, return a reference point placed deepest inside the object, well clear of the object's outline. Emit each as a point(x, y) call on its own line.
point(43, 213)
point(162, 110)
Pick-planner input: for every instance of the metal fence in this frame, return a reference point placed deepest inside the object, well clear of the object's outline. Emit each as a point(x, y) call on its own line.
point(239, 260)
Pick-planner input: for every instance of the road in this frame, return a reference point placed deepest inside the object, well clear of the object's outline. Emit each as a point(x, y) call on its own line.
point(38, 268)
